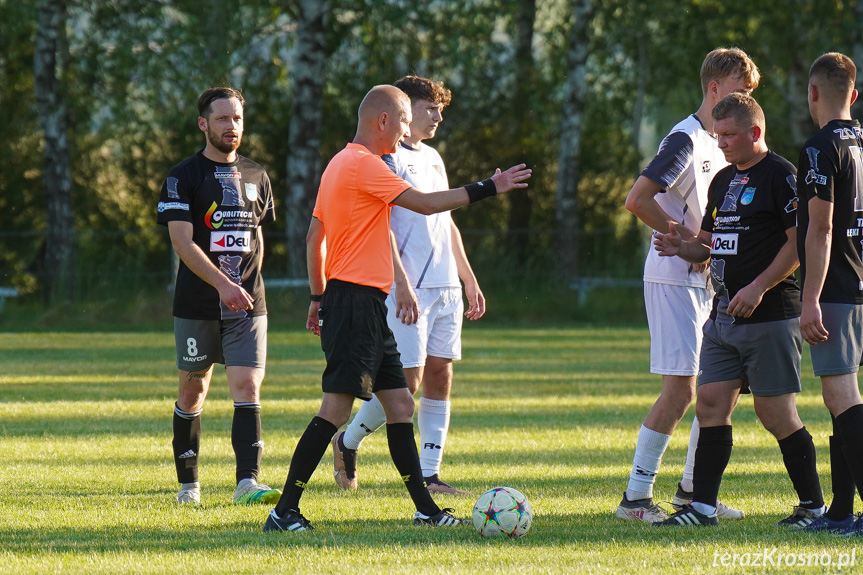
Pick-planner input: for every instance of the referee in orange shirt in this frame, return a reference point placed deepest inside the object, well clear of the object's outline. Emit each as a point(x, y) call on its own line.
point(350, 265)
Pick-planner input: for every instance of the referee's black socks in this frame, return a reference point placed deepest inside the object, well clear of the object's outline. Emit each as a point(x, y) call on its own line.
point(403, 450)
point(309, 452)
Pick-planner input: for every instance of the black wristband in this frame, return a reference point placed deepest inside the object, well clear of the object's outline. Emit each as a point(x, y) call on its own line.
point(315, 297)
point(481, 190)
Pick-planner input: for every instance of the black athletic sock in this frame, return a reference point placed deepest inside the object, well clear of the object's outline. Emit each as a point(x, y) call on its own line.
point(246, 440)
point(711, 459)
point(308, 453)
point(850, 426)
point(841, 479)
point(798, 453)
point(403, 450)
point(349, 456)
point(186, 444)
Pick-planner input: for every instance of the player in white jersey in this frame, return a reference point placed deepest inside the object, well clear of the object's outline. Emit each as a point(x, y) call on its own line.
point(673, 188)
point(425, 306)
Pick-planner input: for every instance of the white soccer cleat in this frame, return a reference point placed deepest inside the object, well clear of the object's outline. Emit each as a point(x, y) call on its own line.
point(190, 494)
point(640, 510)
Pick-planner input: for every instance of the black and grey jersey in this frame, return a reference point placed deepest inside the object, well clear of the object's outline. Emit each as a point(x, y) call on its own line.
point(831, 169)
point(748, 213)
point(225, 203)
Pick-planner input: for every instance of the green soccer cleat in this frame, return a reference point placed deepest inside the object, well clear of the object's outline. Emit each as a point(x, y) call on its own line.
point(250, 491)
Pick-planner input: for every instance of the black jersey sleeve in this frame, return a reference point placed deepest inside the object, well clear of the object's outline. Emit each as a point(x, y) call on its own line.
point(174, 198)
point(786, 197)
point(818, 166)
point(673, 157)
point(269, 214)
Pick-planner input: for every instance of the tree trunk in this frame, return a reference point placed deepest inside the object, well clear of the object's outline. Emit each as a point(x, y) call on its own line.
point(857, 56)
point(303, 165)
point(522, 110)
point(49, 64)
point(568, 221)
point(638, 105)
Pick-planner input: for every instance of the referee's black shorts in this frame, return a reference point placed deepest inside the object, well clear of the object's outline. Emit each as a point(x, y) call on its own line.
point(359, 347)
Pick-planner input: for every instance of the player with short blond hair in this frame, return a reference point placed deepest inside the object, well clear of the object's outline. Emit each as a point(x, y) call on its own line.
point(752, 339)
point(673, 189)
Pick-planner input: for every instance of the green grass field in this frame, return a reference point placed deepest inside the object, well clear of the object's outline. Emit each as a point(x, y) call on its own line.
point(88, 479)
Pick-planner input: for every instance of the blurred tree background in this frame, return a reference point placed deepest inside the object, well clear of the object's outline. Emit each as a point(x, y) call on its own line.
point(98, 101)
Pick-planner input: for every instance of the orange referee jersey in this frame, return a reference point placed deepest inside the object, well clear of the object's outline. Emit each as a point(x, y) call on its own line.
point(353, 203)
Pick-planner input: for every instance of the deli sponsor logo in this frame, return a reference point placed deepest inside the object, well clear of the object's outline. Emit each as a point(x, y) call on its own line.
point(234, 241)
point(724, 244)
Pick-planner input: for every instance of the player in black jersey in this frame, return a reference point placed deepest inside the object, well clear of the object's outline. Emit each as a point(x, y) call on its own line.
point(752, 339)
point(213, 204)
point(830, 221)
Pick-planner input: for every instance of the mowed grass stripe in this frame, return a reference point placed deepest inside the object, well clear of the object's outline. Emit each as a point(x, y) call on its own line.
point(89, 481)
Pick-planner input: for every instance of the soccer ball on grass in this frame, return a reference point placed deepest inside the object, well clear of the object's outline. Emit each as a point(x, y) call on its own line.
point(502, 511)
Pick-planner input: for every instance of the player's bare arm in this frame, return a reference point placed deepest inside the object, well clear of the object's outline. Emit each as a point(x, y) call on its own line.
point(233, 295)
point(475, 297)
point(681, 243)
point(641, 201)
point(818, 241)
point(749, 297)
point(435, 202)
point(407, 309)
point(316, 253)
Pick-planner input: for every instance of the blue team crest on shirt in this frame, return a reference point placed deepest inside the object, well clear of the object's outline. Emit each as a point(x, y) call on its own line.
point(746, 197)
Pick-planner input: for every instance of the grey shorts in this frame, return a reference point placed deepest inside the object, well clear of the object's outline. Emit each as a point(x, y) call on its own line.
point(842, 352)
point(764, 355)
point(232, 342)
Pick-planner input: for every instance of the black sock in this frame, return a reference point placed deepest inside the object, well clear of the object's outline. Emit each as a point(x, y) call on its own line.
point(246, 440)
point(711, 459)
point(186, 444)
point(403, 450)
point(349, 456)
point(798, 453)
point(308, 453)
point(841, 479)
point(850, 426)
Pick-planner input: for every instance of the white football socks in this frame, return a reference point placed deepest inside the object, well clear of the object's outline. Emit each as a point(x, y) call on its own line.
point(368, 419)
point(433, 421)
point(645, 465)
point(688, 469)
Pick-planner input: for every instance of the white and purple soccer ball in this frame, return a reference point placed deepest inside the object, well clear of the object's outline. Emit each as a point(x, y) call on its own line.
point(502, 511)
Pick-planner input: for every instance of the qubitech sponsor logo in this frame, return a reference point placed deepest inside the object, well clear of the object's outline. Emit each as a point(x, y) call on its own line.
point(214, 218)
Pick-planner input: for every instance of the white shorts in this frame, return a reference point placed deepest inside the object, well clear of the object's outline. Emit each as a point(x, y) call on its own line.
point(438, 331)
point(675, 316)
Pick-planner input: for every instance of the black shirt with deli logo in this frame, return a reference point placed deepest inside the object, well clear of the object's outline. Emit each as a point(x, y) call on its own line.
point(225, 203)
point(748, 213)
